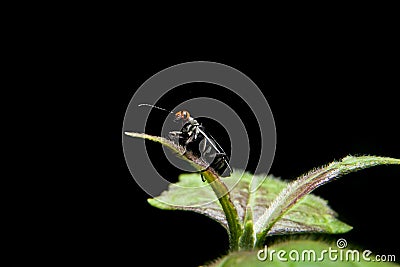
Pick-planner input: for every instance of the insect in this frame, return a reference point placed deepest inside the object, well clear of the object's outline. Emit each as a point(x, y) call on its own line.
point(193, 137)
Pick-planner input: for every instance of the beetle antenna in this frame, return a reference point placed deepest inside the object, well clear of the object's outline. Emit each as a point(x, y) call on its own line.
point(148, 105)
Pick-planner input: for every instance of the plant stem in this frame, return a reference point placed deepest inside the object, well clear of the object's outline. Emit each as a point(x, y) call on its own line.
point(230, 211)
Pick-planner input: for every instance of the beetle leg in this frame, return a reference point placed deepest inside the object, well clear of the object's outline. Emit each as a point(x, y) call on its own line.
point(201, 173)
point(174, 134)
point(196, 132)
point(190, 139)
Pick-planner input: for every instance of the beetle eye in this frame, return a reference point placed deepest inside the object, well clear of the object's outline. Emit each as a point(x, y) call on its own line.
point(186, 115)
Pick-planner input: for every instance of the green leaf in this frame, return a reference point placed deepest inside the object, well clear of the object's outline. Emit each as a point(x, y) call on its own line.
point(310, 215)
point(289, 199)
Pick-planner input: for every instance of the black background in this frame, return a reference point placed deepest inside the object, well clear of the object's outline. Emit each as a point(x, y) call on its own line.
point(330, 97)
point(327, 103)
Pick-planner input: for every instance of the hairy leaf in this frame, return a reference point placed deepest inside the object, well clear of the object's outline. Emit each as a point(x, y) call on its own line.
point(289, 198)
point(312, 214)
